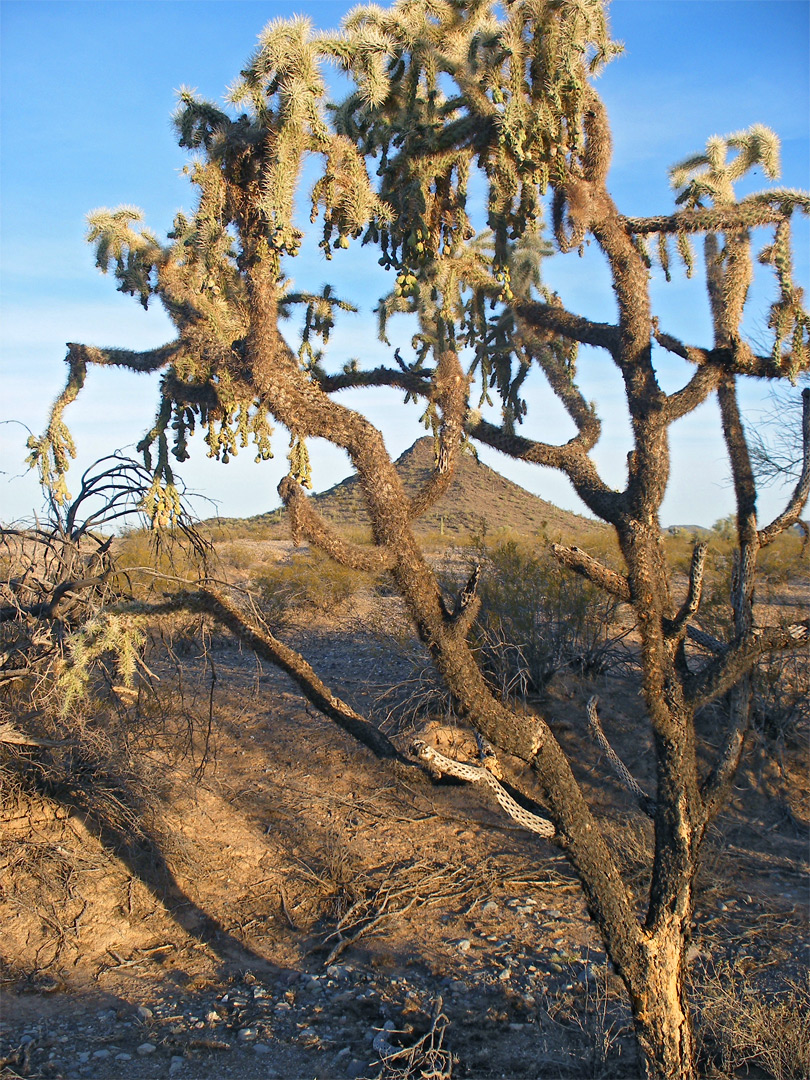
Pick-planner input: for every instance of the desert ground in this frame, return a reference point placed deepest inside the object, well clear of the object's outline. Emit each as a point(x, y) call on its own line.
point(266, 899)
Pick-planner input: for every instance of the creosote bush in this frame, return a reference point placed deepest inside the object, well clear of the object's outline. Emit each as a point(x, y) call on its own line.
point(535, 622)
point(309, 580)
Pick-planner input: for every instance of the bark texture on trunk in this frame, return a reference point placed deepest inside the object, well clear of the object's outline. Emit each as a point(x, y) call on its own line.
point(661, 1013)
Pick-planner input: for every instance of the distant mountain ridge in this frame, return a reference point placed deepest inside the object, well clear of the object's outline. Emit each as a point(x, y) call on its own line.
point(479, 499)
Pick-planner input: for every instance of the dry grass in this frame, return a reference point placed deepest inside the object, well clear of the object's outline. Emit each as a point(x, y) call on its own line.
point(742, 1025)
point(309, 580)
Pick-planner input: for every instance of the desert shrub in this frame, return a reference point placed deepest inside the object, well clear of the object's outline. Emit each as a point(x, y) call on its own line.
point(783, 561)
point(781, 708)
point(679, 545)
point(310, 580)
point(77, 699)
point(241, 556)
point(781, 713)
point(536, 620)
point(146, 558)
point(740, 1025)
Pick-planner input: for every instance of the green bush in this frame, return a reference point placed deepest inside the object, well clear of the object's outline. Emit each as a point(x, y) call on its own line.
point(537, 619)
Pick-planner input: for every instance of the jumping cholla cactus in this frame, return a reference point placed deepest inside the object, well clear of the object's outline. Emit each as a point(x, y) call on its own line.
point(448, 90)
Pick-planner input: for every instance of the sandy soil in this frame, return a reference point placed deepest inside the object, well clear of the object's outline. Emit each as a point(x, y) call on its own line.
point(303, 910)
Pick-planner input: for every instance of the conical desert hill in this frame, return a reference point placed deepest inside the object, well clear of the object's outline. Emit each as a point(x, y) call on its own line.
point(479, 499)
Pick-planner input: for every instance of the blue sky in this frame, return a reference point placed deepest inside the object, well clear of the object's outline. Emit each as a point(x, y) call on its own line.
point(87, 90)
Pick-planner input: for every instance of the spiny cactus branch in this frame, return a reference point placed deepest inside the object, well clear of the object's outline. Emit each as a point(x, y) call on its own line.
point(679, 625)
point(628, 781)
point(307, 522)
point(588, 567)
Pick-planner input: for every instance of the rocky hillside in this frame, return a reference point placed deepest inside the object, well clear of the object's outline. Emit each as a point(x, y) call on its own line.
point(479, 499)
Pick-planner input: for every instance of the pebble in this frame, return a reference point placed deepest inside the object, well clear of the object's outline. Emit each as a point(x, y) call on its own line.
point(144, 1012)
point(339, 971)
point(100, 1055)
point(176, 1066)
point(505, 974)
point(464, 945)
point(489, 907)
point(261, 1048)
point(123, 1057)
point(146, 1048)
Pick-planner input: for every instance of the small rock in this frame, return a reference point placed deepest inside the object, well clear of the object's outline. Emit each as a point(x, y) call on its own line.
point(123, 1057)
point(379, 1038)
point(83, 1057)
point(246, 1034)
point(489, 907)
point(339, 971)
point(464, 945)
point(212, 1017)
point(261, 1048)
point(100, 1055)
point(176, 1066)
point(505, 974)
point(144, 1012)
point(146, 1048)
